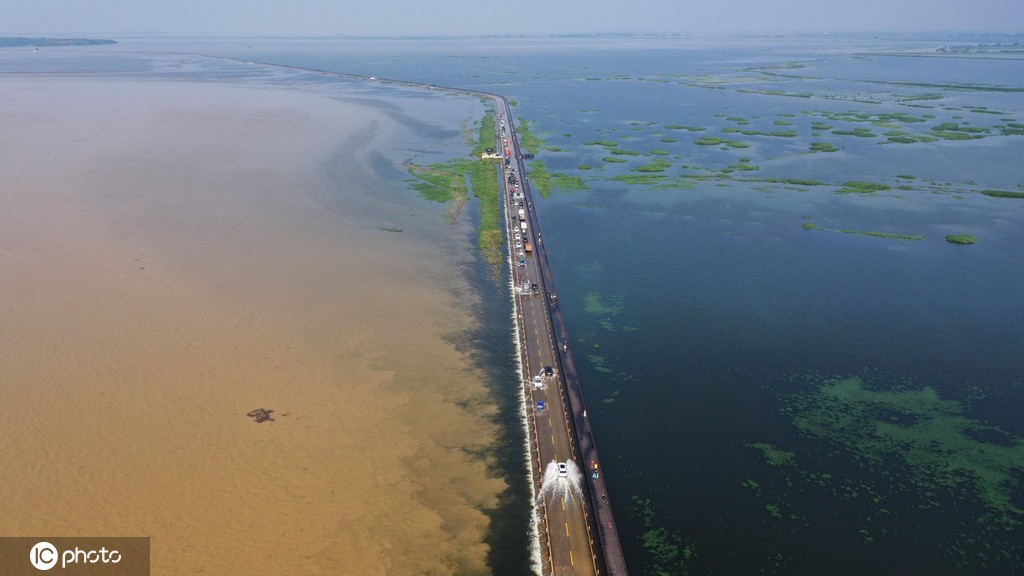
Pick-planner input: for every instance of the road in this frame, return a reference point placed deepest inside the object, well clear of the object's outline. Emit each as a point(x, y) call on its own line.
point(578, 533)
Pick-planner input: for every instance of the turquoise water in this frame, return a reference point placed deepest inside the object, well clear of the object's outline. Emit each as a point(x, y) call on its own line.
point(715, 306)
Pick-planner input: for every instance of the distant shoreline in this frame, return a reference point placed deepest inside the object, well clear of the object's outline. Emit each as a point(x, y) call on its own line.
point(40, 42)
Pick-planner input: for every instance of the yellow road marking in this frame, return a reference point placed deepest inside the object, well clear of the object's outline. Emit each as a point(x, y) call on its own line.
point(566, 529)
point(571, 563)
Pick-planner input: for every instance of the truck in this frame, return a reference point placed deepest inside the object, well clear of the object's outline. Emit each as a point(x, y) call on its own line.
point(528, 246)
point(522, 214)
point(522, 225)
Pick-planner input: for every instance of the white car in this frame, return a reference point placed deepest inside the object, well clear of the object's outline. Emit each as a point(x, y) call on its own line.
point(563, 470)
point(537, 382)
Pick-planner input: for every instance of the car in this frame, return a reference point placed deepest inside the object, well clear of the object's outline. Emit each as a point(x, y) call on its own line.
point(537, 382)
point(522, 262)
point(519, 244)
point(549, 371)
point(540, 405)
point(563, 470)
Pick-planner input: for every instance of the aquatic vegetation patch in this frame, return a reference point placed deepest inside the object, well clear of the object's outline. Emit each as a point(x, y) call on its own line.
point(622, 152)
point(687, 128)
point(613, 160)
point(775, 134)
point(540, 178)
point(859, 132)
point(666, 551)
point(600, 364)
point(715, 141)
point(605, 143)
point(873, 234)
point(773, 455)
point(658, 180)
point(446, 182)
point(743, 165)
point(1003, 194)
point(657, 165)
point(594, 303)
point(792, 181)
point(932, 440)
point(961, 239)
point(567, 182)
point(859, 187)
point(822, 147)
point(530, 142)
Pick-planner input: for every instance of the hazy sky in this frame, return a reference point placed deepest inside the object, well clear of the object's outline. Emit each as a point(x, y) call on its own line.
point(473, 17)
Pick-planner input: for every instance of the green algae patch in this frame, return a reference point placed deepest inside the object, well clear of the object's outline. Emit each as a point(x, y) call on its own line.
point(687, 128)
point(665, 551)
point(613, 160)
point(599, 363)
point(932, 441)
point(773, 455)
point(605, 143)
point(594, 303)
point(822, 147)
point(961, 239)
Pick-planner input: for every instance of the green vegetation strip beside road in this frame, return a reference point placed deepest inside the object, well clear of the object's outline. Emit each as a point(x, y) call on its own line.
point(446, 182)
